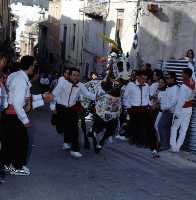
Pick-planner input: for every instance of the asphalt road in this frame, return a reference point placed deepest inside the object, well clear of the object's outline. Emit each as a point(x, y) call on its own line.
point(120, 172)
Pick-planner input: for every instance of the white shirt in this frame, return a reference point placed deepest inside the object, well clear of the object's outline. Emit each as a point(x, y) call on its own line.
point(185, 94)
point(169, 98)
point(134, 96)
point(66, 94)
point(162, 99)
point(154, 89)
point(18, 86)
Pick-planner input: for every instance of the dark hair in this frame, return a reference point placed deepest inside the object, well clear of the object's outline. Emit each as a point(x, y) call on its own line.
point(172, 75)
point(190, 50)
point(140, 73)
point(148, 65)
point(4, 55)
point(73, 69)
point(26, 62)
point(188, 71)
point(65, 69)
point(93, 73)
point(159, 73)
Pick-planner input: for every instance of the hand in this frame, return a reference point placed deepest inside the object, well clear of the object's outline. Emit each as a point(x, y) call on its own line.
point(28, 125)
point(48, 97)
point(28, 108)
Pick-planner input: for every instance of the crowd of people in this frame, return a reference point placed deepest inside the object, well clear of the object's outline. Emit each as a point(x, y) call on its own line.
point(147, 108)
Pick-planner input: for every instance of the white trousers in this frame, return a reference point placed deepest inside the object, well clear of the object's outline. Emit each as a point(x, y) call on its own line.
point(180, 124)
point(156, 125)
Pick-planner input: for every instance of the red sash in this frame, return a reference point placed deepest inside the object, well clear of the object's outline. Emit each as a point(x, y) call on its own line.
point(10, 110)
point(188, 104)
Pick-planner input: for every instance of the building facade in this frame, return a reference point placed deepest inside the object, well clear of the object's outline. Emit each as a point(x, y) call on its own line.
point(26, 14)
point(29, 39)
point(148, 30)
point(80, 27)
point(166, 31)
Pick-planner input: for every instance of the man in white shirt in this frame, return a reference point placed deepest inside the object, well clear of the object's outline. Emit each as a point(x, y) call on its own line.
point(183, 111)
point(167, 100)
point(16, 120)
point(57, 117)
point(137, 103)
point(66, 94)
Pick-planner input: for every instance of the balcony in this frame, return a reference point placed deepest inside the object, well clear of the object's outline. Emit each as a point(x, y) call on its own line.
point(95, 9)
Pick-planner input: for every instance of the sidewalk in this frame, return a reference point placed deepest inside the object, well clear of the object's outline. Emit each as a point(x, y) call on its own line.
point(190, 156)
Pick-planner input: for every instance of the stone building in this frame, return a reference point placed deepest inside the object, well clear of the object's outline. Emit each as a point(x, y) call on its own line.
point(149, 30)
point(80, 25)
point(29, 39)
point(167, 31)
point(54, 47)
point(26, 14)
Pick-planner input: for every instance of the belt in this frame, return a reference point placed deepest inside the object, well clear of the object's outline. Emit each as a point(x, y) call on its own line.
point(75, 108)
point(10, 110)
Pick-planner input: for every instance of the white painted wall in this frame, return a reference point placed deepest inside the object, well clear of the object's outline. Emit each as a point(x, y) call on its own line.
point(70, 15)
point(128, 24)
point(169, 33)
point(87, 29)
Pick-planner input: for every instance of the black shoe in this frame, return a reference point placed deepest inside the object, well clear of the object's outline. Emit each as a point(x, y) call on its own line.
point(98, 149)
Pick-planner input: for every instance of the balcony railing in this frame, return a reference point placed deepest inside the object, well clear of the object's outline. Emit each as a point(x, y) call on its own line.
point(96, 9)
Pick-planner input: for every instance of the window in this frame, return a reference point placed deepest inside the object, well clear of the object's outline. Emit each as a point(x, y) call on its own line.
point(119, 23)
point(74, 36)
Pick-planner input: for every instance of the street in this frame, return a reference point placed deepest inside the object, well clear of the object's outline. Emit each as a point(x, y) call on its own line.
point(120, 172)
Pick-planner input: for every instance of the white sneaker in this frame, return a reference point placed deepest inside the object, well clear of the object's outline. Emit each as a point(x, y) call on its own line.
point(123, 138)
point(66, 146)
point(26, 169)
point(99, 146)
point(75, 154)
point(19, 172)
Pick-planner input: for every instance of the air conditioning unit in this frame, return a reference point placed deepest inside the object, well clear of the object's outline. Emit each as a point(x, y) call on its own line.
point(153, 8)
